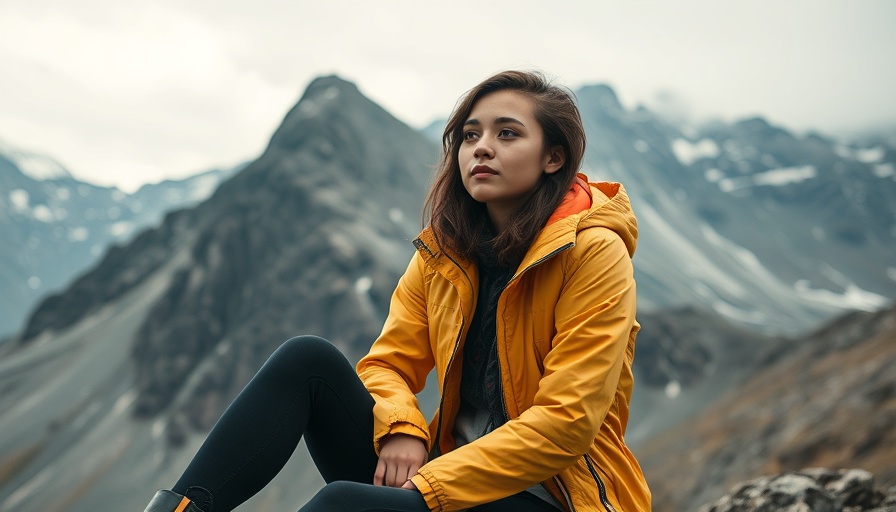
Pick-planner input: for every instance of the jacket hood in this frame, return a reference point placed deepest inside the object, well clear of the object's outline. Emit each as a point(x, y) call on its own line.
point(598, 205)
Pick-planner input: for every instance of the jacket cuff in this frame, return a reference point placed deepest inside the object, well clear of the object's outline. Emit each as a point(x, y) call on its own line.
point(402, 427)
point(431, 490)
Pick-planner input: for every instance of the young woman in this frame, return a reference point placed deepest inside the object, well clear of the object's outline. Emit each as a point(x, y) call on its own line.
point(520, 295)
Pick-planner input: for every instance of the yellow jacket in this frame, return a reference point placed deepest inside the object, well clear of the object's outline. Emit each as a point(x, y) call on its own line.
point(566, 338)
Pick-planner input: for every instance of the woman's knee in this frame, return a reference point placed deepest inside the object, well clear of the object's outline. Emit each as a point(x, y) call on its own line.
point(303, 354)
point(332, 496)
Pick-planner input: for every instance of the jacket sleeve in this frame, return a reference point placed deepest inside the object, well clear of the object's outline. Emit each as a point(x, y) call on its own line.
point(594, 318)
point(396, 367)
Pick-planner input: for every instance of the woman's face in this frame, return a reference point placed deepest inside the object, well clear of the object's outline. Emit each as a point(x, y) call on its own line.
point(502, 154)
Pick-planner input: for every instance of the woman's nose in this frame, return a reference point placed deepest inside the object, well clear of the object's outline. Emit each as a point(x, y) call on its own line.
point(483, 150)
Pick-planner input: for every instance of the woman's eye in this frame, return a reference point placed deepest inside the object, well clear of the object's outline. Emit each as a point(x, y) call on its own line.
point(470, 135)
point(507, 132)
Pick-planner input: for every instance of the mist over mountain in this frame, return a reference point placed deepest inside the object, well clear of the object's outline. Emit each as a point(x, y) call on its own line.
point(111, 384)
point(54, 226)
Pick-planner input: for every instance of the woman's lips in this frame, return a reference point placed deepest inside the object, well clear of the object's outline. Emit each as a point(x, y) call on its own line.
point(482, 171)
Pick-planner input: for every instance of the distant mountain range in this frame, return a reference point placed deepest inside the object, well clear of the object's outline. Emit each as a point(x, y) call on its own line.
point(54, 226)
point(748, 235)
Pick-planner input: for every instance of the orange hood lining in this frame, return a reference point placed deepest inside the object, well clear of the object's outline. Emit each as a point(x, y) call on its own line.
point(577, 200)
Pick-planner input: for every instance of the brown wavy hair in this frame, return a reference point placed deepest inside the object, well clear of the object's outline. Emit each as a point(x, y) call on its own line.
point(458, 221)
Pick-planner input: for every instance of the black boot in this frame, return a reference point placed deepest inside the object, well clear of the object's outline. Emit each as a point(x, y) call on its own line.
point(170, 501)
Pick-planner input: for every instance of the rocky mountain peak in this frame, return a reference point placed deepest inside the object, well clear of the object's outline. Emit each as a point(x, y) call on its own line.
point(602, 96)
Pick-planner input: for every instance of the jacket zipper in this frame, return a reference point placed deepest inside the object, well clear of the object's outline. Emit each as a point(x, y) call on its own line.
point(533, 265)
point(542, 260)
point(600, 485)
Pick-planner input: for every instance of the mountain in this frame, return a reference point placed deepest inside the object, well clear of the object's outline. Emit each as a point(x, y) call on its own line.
point(825, 400)
point(772, 231)
point(133, 363)
point(110, 385)
point(54, 226)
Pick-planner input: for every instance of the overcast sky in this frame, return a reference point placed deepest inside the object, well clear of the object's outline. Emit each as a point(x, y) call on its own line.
point(124, 92)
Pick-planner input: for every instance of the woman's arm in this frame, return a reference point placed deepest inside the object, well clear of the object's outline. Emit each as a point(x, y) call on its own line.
point(396, 367)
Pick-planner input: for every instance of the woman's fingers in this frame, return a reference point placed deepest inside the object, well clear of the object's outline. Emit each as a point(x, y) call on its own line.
point(401, 456)
point(379, 475)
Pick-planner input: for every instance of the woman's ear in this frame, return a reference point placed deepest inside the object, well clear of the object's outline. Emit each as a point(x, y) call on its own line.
point(556, 157)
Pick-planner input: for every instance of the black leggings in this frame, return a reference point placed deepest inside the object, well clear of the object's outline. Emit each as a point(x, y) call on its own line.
point(307, 387)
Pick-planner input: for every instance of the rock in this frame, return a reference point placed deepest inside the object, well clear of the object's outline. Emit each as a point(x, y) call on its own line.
point(809, 490)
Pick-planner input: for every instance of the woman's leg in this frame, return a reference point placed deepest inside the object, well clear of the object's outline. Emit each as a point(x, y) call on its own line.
point(361, 497)
point(306, 387)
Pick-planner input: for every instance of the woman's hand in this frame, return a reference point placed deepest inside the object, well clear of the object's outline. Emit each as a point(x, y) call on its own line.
point(401, 455)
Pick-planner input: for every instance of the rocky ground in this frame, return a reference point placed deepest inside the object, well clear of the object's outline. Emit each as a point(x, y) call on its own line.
point(809, 490)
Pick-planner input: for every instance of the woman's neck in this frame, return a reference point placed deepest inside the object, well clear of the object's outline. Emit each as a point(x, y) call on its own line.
point(500, 218)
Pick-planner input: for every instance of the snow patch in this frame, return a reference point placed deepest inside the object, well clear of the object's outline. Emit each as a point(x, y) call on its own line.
point(78, 234)
point(774, 177)
point(395, 215)
point(43, 213)
point(125, 400)
point(843, 151)
point(687, 152)
point(363, 285)
point(870, 155)
point(63, 193)
point(19, 199)
point(744, 257)
point(121, 228)
point(202, 187)
point(673, 389)
point(158, 428)
point(884, 170)
point(698, 262)
point(173, 196)
point(713, 175)
point(785, 175)
point(34, 282)
point(641, 146)
point(727, 310)
point(852, 297)
point(891, 273)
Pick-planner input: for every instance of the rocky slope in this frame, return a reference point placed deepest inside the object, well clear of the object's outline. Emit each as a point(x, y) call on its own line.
point(827, 400)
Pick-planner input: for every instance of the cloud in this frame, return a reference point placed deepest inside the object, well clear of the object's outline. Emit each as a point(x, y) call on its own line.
point(125, 92)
